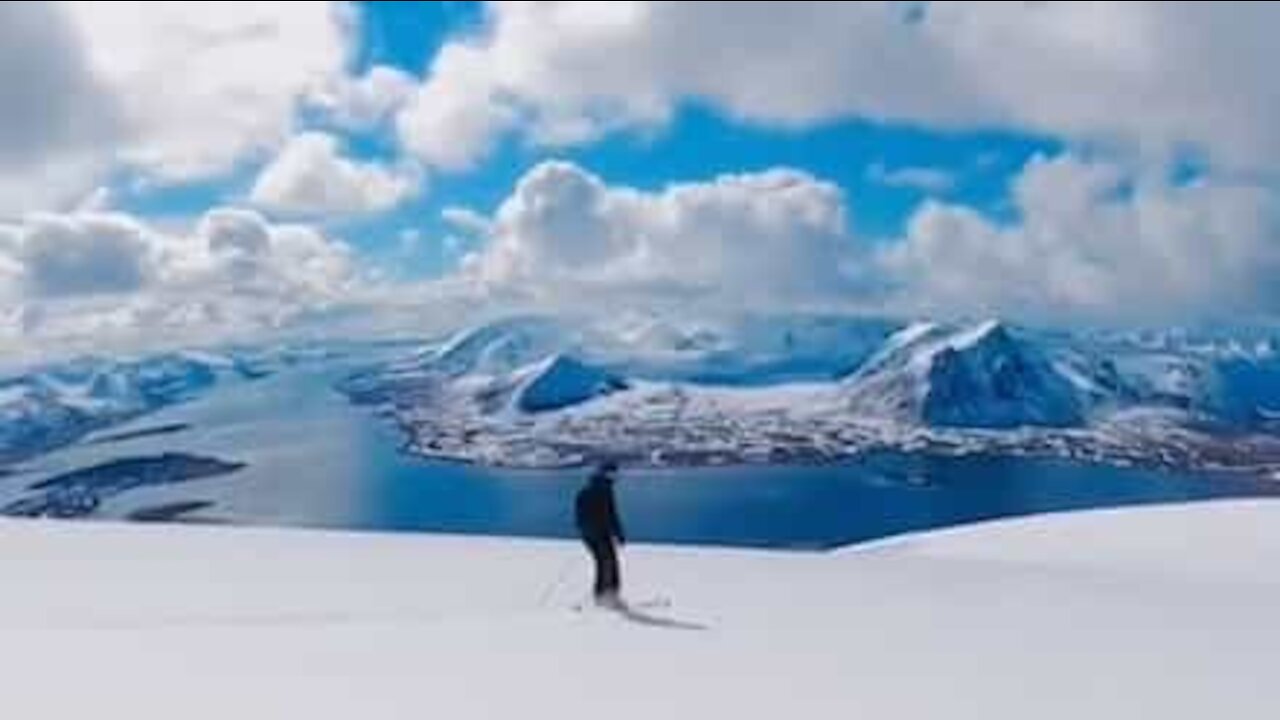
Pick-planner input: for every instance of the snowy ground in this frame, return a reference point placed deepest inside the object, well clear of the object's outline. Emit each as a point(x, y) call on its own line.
point(1159, 612)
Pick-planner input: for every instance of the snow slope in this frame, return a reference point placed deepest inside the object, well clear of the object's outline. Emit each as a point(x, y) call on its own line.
point(1159, 612)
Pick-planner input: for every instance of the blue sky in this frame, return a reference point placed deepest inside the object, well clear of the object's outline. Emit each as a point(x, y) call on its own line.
point(218, 168)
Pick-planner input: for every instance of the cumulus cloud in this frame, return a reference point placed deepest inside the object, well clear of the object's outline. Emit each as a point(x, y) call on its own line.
point(54, 118)
point(456, 116)
point(87, 278)
point(364, 102)
point(1090, 240)
point(59, 107)
point(934, 181)
point(1095, 241)
point(203, 85)
point(173, 90)
point(1154, 77)
point(311, 177)
point(86, 255)
point(754, 239)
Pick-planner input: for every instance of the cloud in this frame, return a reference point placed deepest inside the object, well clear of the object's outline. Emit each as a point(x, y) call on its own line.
point(466, 220)
point(173, 90)
point(364, 102)
point(311, 177)
point(56, 111)
point(61, 106)
point(1090, 240)
point(85, 255)
point(1096, 242)
point(1153, 78)
point(204, 85)
point(933, 181)
point(92, 280)
point(758, 239)
point(456, 116)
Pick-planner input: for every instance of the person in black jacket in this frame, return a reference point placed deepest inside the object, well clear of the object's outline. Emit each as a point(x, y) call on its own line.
point(598, 524)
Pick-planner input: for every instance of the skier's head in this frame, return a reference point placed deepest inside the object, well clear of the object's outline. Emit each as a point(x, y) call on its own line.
point(606, 471)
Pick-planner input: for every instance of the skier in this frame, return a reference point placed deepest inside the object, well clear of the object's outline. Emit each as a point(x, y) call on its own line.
point(598, 524)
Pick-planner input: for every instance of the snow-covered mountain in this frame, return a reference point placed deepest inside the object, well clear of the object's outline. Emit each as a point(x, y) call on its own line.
point(772, 387)
point(817, 387)
point(984, 376)
point(742, 350)
point(500, 347)
point(561, 381)
point(751, 350)
point(55, 405)
point(549, 384)
point(33, 418)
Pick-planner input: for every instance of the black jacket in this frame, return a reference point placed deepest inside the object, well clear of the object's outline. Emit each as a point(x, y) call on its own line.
point(597, 514)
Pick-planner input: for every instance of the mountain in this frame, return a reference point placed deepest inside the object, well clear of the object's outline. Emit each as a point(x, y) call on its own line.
point(1248, 390)
point(987, 375)
point(56, 405)
point(558, 382)
point(32, 419)
point(498, 347)
point(982, 376)
point(751, 349)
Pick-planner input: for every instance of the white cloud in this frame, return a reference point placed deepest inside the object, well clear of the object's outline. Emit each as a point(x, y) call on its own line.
point(454, 118)
point(1092, 241)
point(933, 181)
point(174, 90)
point(758, 239)
point(1149, 76)
point(466, 220)
point(99, 200)
point(364, 102)
point(92, 280)
point(311, 177)
point(1096, 242)
point(202, 85)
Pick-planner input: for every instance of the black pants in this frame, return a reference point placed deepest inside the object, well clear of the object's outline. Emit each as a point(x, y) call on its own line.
point(606, 558)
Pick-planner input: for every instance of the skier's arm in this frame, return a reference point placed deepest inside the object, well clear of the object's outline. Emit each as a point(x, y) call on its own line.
point(616, 523)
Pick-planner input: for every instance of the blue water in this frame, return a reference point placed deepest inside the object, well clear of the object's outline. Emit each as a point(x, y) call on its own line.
point(316, 461)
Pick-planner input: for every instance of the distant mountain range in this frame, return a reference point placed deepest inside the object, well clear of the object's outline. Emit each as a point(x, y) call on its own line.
point(531, 391)
point(544, 391)
point(55, 405)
